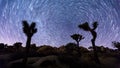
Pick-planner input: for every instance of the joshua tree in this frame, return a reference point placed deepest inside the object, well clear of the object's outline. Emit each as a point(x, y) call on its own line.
point(29, 31)
point(85, 26)
point(77, 38)
point(116, 44)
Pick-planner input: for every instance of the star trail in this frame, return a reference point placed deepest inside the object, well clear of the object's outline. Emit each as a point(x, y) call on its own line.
point(58, 19)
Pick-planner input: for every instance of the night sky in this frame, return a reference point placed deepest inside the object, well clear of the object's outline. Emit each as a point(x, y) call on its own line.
point(58, 19)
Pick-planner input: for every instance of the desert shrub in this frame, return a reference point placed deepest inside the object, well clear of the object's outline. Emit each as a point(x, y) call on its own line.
point(72, 49)
point(83, 49)
point(47, 50)
point(61, 50)
point(2, 46)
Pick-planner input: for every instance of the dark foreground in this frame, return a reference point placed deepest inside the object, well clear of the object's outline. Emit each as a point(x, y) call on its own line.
point(62, 57)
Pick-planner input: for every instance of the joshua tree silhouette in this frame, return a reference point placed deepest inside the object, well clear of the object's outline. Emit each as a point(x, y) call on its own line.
point(29, 31)
point(85, 26)
point(77, 38)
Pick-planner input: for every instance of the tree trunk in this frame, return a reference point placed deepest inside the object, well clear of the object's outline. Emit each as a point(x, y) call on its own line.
point(27, 51)
point(77, 43)
point(95, 52)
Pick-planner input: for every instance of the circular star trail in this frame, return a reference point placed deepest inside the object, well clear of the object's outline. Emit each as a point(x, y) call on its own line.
point(58, 19)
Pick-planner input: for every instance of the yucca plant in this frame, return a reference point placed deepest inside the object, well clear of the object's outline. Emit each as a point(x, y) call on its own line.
point(29, 30)
point(85, 26)
point(77, 38)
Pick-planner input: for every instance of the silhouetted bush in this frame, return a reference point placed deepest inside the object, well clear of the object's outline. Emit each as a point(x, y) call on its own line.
point(18, 46)
point(72, 49)
point(2, 46)
point(33, 48)
point(116, 44)
point(83, 49)
point(47, 50)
